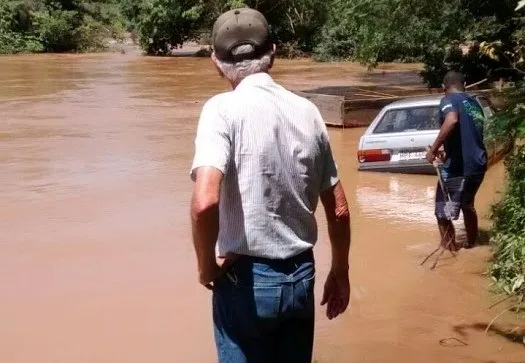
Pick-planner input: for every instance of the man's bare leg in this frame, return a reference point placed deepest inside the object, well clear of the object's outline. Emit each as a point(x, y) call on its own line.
point(448, 234)
point(470, 218)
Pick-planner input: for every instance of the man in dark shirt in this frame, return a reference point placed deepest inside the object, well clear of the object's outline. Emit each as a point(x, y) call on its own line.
point(465, 160)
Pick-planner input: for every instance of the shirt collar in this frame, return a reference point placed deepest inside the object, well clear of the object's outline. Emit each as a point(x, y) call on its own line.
point(257, 79)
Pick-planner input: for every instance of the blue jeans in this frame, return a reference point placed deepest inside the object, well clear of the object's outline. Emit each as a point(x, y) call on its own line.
point(263, 311)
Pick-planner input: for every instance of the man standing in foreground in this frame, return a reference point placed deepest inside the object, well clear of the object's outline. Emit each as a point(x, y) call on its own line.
point(465, 163)
point(262, 161)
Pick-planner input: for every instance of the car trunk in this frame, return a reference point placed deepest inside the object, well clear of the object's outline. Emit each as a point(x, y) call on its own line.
point(405, 146)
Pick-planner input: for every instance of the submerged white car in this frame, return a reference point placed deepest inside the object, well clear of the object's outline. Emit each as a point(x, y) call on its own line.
point(397, 138)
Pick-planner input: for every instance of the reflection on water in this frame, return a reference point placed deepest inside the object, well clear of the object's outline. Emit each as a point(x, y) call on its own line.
point(385, 197)
point(399, 198)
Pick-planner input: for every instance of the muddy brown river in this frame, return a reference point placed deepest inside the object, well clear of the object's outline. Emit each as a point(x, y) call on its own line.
point(96, 260)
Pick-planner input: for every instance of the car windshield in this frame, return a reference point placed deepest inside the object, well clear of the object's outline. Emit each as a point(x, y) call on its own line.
point(409, 119)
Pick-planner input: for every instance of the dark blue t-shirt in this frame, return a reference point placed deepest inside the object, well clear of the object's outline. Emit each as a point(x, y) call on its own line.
point(466, 152)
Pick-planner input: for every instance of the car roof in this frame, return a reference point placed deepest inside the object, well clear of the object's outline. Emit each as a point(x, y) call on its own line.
point(432, 100)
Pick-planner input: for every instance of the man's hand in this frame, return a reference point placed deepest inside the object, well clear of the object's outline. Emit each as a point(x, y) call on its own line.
point(431, 155)
point(336, 293)
point(441, 155)
point(211, 273)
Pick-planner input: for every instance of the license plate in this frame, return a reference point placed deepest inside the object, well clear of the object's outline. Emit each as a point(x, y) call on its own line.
point(415, 155)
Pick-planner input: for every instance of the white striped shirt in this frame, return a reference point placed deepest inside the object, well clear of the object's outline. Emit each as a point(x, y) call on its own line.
point(272, 147)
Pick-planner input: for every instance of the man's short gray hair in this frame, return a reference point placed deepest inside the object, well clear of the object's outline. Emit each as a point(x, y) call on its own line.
point(236, 72)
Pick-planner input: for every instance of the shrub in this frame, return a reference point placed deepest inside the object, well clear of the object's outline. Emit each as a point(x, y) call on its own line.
point(53, 26)
point(508, 268)
point(165, 24)
point(58, 30)
point(11, 43)
point(509, 123)
point(508, 215)
point(91, 35)
point(15, 30)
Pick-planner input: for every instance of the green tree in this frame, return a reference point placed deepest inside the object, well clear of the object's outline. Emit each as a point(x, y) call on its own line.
point(294, 23)
point(164, 24)
point(489, 37)
point(57, 26)
point(58, 30)
point(386, 30)
point(16, 28)
point(475, 37)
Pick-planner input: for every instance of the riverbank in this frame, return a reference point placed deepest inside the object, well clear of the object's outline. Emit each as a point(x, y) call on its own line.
point(96, 261)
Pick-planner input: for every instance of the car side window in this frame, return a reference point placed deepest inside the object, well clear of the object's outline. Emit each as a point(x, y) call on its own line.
point(409, 120)
point(392, 121)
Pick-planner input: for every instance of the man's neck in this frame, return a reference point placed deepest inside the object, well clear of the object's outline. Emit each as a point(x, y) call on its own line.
point(235, 84)
point(455, 90)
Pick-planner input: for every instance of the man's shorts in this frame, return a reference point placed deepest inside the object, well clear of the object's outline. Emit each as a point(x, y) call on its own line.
point(459, 194)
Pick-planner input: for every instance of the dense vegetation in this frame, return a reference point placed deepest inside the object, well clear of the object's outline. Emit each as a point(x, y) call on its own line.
point(57, 26)
point(508, 268)
point(168, 23)
point(436, 32)
point(508, 215)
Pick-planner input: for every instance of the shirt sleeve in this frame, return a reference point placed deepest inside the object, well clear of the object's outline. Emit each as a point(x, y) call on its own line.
point(446, 106)
point(330, 175)
point(213, 140)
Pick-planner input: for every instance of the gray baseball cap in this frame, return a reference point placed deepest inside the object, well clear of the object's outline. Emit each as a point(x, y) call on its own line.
point(240, 27)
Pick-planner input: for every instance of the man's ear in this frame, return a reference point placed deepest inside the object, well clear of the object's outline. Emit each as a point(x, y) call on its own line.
point(272, 55)
point(216, 62)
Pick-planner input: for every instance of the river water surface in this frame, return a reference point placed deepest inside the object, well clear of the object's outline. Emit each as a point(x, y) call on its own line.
point(96, 259)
